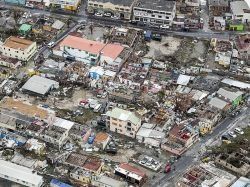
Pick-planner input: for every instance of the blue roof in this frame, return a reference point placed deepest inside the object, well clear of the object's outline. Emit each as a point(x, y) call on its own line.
point(59, 183)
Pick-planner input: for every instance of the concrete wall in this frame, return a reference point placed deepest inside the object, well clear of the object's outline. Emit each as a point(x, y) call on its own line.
point(121, 11)
point(19, 54)
point(142, 15)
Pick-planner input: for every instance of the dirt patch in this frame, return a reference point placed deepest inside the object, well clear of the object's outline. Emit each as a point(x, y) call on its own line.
point(168, 46)
point(123, 155)
point(70, 103)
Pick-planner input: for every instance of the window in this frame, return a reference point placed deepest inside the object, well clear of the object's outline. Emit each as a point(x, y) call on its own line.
point(122, 9)
point(153, 15)
point(90, 4)
point(159, 16)
point(95, 4)
point(100, 5)
point(131, 133)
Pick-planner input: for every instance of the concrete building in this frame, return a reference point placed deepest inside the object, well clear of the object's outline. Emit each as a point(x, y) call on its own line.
point(233, 97)
point(18, 48)
point(218, 7)
point(105, 181)
point(118, 8)
point(156, 12)
point(17, 2)
point(101, 140)
point(241, 11)
point(205, 175)
point(19, 174)
point(57, 133)
point(123, 122)
point(35, 146)
point(80, 175)
point(242, 44)
point(87, 51)
point(242, 182)
point(65, 4)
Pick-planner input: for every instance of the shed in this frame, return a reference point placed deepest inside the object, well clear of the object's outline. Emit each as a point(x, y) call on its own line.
point(39, 85)
point(58, 25)
point(25, 29)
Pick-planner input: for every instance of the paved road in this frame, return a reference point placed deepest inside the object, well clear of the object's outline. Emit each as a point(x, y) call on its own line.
point(192, 155)
point(208, 34)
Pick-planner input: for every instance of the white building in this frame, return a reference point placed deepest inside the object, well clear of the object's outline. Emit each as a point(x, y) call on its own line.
point(87, 51)
point(65, 4)
point(39, 85)
point(105, 181)
point(154, 12)
point(18, 48)
point(19, 174)
point(58, 132)
point(123, 122)
point(241, 11)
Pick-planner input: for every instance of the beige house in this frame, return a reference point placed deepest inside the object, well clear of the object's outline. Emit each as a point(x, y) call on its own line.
point(123, 122)
point(118, 8)
point(18, 48)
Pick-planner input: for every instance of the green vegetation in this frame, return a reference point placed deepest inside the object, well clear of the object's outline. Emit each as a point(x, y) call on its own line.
point(240, 142)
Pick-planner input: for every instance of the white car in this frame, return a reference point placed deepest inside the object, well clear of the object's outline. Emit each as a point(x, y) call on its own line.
point(107, 14)
point(164, 26)
point(232, 134)
point(98, 14)
point(51, 44)
point(238, 131)
point(115, 17)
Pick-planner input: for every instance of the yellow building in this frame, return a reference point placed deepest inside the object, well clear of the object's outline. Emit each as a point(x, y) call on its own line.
point(66, 4)
point(18, 48)
point(118, 8)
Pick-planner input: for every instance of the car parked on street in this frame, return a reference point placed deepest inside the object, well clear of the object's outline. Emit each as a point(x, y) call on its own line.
point(238, 130)
point(232, 134)
point(164, 26)
point(107, 14)
point(98, 14)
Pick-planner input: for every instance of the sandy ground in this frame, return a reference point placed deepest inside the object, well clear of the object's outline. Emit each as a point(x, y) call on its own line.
point(199, 50)
point(168, 46)
point(70, 103)
point(97, 33)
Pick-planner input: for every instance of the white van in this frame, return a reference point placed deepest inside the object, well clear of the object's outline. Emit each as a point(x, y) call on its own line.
point(51, 44)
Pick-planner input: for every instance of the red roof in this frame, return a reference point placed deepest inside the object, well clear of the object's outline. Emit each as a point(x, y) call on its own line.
point(132, 169)
point(112, 50)
point(94, 47)
point(83, 44)
point(92, 164)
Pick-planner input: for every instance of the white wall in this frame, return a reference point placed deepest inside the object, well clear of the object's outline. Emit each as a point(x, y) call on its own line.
point(80, 55)
point(19, 54)
point(149, 17)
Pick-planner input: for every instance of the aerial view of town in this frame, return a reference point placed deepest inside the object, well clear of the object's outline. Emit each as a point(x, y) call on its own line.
point(125, 93)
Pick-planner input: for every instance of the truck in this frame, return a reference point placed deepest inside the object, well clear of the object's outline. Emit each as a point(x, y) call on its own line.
point(147, 35)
